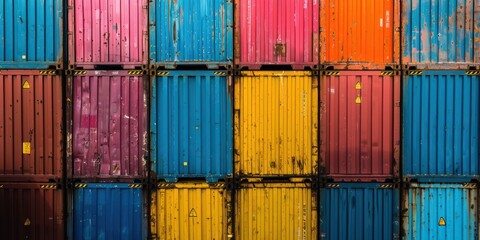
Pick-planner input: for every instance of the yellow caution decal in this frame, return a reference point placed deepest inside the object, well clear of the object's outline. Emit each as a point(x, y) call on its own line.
point(135, 72)
point(192, 213)
point(26, 148)
point(26, 85)
point(185, 163)
point(472, 73)
point(134, 185)
point(79, 72)
point(358, 100)
point(441, 222)
point(47, 72)
point(220, 73)
point(80, 185)
point(162, 73)
point(415, 72)
point(332, 73)
point(358, 86)
point(387, 73)
point(48, 186)
point(27, 222)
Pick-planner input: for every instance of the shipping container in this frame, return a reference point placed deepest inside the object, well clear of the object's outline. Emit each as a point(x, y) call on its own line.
point(276, 211)
point(31, 211)
point(360, 125)
point(360, 211)
point(277, 32)
point(441, 34)
point(31, 124)
point(191, 125)
point(440, 125)
point(191, 211)
point(276, 123)
point(362, 34)
point(191, 32)
point(440, 211)
point(107, 211)
point(107, 122)
point(110, 33)
point(31, 34)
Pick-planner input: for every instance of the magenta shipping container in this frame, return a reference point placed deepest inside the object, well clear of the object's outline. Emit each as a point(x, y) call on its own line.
point(109, 124)
point(107, 32)
point(281, 32)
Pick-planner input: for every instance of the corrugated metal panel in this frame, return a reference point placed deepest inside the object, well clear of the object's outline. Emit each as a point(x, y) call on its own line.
point(277, 32)
point(191, 32)
point(31, 211)
point(276, 123)
point(31, 34)
point(30, 125)
point(107, 32)
point(107, 211)
point(109, 124)
point(190, 211)
point(446, 32)
point(360, 34)
point(441, 211)
point(276, 211)
point(191, 125)
point(360, 125)
point(359, 211)
point(441, 118)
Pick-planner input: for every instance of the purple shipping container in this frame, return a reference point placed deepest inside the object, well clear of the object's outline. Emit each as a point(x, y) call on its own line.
point(109, 124)
point(108, 32)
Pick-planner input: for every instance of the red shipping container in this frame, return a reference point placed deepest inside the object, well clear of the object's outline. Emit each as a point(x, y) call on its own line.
point(109, 125)
point(284, 32)
point(30, 125)
point(360, 125)
point(112, 32)
point(31, 211)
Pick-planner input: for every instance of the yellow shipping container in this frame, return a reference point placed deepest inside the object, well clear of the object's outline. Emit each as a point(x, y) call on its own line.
point(276, 123)
point(191, 211)
point(284, 211)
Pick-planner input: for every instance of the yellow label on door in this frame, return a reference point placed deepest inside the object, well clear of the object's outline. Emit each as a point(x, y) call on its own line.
point(27, 222)
point(26, 85)
point(358, 85)
point(358, 100)
point(185, 163)
point(442, 222)
point(26, 147)
point(192, 213)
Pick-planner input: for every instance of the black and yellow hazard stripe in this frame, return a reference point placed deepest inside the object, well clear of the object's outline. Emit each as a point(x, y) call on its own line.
point(80, 185)
point(47, 72)
point(415, 72)
point(164, 185)
point(387, 73)
point(48, 186)
point(163, 73)
point(332, 73)
point(333, 185)
point(220, 73)
point(79, 72)
point(470, 185)
point(472, 72)
point(135, 72)
point(134, 185)
point(386, 185)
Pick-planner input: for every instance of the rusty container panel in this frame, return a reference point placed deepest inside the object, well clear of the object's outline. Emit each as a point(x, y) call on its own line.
point(276, 211)
point(441, 34)
point(360, 125)
point(109, 124)
point(361, 34)
point(31, 123)
point(109, 32)
point(284, 32)
point(276, 123)
point(190, 211)
point(31, 211)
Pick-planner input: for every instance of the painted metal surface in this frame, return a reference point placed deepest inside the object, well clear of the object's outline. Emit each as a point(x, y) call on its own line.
point(360, 125)
point(440, 125)
point(191, 32)
point(276, 123)
point(31, 211)
point(109, 124)
point(440, 211)
point(277, 32)
point(107, 211)
point(109, 32)
point(191, 125)
point(276, 211)
point(446, 32)
point(190, 211)
point(31, 123)
point(361, 34)
point(31, 34)
point(359, 211)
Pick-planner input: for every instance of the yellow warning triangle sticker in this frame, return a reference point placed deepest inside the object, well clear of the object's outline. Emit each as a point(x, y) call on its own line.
point(27, 222)
point(358, 100)
point(358, 85)
point(26, 85)
point(441, 222)
point(192, 213)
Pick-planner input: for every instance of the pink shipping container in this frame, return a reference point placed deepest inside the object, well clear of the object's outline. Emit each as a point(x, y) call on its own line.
point(109, 124)
point(360, 125)
point(280, 32)
point(107, 33)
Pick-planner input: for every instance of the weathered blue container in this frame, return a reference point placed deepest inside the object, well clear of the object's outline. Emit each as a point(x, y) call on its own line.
point(440, 211)
point(31, 34)
point(107, 211)
point(446, 32)
point(191, 125)
point(440, 126)
point(191, 32)
point(359, 211)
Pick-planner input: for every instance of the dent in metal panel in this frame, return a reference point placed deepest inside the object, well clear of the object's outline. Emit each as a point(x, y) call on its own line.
point(191, 124)
point(276, 123)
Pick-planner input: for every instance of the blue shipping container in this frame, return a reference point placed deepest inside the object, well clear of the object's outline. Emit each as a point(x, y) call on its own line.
point(31, 34)
point(107, 211)
point(191, 32)
point(440, 125)
point(359, 211)
point(440, 211)
point(191, 125)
